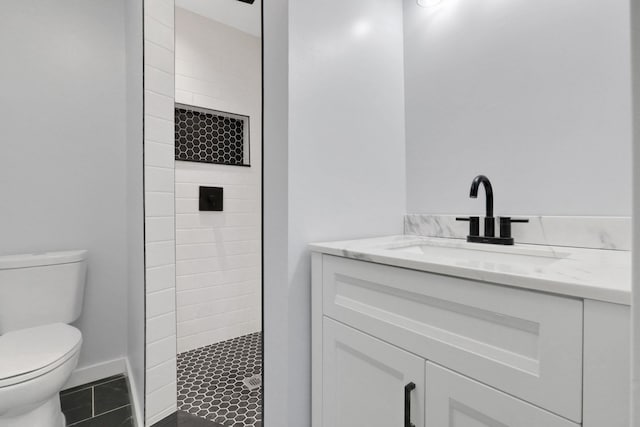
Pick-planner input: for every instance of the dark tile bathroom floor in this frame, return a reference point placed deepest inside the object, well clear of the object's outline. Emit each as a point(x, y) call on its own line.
point(211, 382)
point(103, 403)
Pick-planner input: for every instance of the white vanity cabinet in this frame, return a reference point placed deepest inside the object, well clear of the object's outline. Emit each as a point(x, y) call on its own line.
point(473, 354)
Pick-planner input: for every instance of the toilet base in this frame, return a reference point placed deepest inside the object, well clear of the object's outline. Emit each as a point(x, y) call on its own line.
point(46, 415)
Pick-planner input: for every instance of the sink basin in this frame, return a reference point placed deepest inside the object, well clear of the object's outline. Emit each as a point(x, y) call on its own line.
point(480, 252)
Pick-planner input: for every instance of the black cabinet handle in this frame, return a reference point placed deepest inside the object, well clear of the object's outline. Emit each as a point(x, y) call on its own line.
point(407, 404)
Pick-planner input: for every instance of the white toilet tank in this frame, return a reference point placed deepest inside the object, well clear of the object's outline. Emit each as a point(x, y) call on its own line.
point(39, 289)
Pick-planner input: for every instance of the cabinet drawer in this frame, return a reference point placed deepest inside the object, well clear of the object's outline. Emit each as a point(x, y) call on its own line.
point(527, 344)
point(456, 401)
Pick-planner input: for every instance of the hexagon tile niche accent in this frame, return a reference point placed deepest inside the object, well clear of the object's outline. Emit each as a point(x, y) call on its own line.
point(209, 136)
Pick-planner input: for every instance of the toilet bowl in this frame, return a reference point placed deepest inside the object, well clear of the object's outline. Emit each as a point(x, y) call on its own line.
point(40, 294)
point(35, 363)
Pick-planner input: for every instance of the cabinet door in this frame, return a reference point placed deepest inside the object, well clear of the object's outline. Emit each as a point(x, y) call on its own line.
point(368, 383)
point(456, 401)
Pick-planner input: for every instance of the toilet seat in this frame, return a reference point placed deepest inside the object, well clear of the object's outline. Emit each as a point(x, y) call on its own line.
point(29, 353)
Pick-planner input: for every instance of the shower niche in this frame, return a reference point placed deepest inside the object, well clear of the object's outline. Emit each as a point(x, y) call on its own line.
point(209, 136)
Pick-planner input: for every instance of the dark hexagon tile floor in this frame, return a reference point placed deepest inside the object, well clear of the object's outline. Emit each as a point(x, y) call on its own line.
point(210, 381)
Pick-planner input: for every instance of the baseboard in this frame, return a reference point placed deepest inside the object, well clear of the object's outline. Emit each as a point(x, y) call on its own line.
point(133, 392)
point(161, 416)
point(96, 372)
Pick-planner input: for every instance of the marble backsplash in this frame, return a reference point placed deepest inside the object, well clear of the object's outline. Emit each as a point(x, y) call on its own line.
point(613, 233)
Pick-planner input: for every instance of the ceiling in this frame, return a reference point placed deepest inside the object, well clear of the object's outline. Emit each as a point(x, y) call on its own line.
point(242, 16)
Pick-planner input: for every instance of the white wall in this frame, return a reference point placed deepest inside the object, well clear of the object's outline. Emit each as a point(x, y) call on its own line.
point(345, 177)
point(160, 390)
point(635, 306)
point(218, 280)
point(135, 204)
point(534, 94)
point(275, 218)
point(62, 180)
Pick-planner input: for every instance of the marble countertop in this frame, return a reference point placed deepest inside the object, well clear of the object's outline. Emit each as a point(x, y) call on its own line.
point(603, 275)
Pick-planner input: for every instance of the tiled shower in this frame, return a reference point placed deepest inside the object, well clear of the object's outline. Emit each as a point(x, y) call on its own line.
point(217, 220)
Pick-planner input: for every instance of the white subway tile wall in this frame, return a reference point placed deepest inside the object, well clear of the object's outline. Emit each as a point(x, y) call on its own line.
point(217, 257)
point(218, 253)
point(159, 209)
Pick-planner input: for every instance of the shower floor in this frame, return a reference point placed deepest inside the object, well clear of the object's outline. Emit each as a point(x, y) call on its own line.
point(211, 381)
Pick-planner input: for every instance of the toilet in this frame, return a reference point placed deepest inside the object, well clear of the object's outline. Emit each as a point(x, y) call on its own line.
point(40, 294)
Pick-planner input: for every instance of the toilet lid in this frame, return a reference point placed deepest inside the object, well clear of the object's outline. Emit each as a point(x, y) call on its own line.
point(28, 350)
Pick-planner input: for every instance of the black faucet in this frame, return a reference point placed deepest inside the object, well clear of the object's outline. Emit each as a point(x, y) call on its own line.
point(489, 221)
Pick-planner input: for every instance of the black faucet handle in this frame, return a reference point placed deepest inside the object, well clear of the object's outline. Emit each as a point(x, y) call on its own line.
point(505, 225)
point(474, 224)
